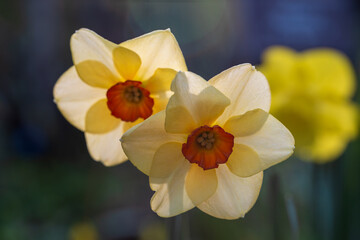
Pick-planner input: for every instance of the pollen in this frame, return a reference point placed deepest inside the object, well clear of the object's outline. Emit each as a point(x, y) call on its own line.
point(129, 101)
point(206, 140)
point(208, 146)
point(133, 94)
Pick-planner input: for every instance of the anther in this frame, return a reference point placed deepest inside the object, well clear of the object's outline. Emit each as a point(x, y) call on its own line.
point(209, 146)
point(200, 139)
point(206, 140)
point(133, 94)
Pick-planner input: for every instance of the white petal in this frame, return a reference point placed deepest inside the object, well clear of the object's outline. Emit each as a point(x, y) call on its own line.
point(74, 97)
point(273, 142)
point(244, 161)
point(246, 124)
point(170, 198)
point(246, 88)
point(106, 148)
point(158, 49)
point(142, 141)
point(234, 196)
point(87, 45)
point(194, 103)
point(166, 159)
point(200, 184)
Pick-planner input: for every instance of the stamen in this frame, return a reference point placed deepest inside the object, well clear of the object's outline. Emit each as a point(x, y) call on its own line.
point(133, 94)
point(206, 140)
point(209, 146)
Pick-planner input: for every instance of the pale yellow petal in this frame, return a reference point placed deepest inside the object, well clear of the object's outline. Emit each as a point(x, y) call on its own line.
point(244, 161)
point(160, 101)
point(158, 49)
point(99, 119)
point(179, 119)
point(273, 143)
point(246, 124)
point(127, 62)
point(246, 88)
point(171, 198)
point(200, 184)
point(234, 197)
point(74, 98)
point(166, 159)
point(161, 80)
point(194, 103)
point(141, 142)
point(159, 87)
point(106, 148)
point(87, 45)
point(96, 74)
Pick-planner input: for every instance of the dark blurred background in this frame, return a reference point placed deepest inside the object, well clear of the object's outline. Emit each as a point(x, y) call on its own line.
point(50, 188)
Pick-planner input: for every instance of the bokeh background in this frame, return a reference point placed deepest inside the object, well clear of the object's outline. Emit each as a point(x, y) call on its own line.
point(50, 188)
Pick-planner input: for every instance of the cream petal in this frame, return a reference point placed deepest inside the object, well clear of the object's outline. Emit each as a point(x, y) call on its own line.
point(246, 88)
point(160, 101)
point(74, 98)
point(158, 49)
point(166, 159)
point(246, 124)
point(127, 62)
point(141, 142)
point(234, 197)
point(98, 118)
point(161, 81)
point(106, 148)
point(194, 103)
point(244, 161)
point(87, 45)
point(273, 143)
point(171, 198)
point(200, 184)
point(96, 74)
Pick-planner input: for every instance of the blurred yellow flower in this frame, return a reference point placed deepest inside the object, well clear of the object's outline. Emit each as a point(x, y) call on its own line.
point(112, 87)
point(311, 94)
point(210, 146)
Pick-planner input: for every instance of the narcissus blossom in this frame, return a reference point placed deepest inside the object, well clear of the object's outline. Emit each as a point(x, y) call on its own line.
point(112, 87)
point(311, 93)
point(209, 147)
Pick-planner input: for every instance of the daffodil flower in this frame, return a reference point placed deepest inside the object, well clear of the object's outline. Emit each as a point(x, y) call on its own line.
point(311, 95)
point(209, 147)
point(112, 87)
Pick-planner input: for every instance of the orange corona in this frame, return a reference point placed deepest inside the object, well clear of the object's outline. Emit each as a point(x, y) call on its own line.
point(208, 146)
point(129, 101)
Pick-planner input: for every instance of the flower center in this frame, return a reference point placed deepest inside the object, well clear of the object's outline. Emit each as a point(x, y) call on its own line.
point(206, 140)
point(208, 146)
point(129, 101)
point(133, 94)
